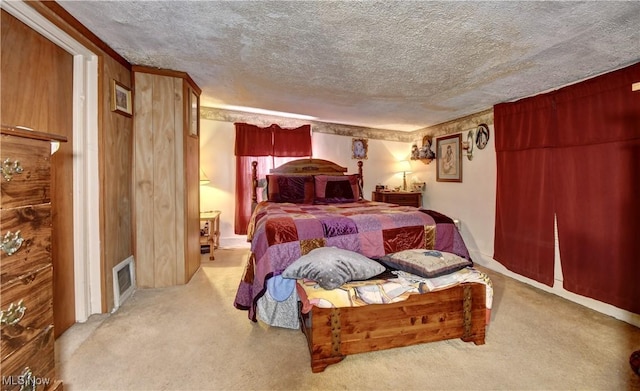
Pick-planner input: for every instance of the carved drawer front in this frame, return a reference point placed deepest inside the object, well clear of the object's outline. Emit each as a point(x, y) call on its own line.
point(32, 363)
point(27, 309)
point(26, 241)
point(409, 199)
point(26, 175)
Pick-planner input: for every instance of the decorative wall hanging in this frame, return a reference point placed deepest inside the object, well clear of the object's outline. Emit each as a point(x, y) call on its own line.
point(424, 153)
point(359, 148)
point(121, 99)
point(449, 151)
point(468, 145)
point(482, 136)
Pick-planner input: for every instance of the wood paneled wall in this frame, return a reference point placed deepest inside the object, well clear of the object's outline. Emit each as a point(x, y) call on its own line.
point(116, 170)
point(166, 182)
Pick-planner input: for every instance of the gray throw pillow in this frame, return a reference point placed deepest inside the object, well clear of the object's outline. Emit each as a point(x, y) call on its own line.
point(331, 267)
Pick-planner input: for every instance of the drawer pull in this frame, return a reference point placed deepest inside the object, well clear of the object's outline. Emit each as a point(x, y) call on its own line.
point(11, 242)
point(13, 315)
point(9, 169)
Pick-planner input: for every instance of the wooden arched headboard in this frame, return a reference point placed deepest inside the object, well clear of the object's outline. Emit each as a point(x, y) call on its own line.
point(304, 166)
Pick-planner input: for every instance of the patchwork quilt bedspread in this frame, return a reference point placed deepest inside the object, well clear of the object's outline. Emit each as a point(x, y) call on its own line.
point(280, 233)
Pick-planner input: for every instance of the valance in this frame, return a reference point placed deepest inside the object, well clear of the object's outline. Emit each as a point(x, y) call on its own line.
point(273, 140)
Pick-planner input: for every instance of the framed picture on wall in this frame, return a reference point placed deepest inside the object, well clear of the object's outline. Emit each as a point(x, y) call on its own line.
point(121, 99)
point(482, 136)
point(359, 147)
point(449, 161)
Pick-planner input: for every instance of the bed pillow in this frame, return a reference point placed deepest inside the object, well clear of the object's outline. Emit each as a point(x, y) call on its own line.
point(297, 189)
point(425, 263)
point(331, 267)
point(336, 188)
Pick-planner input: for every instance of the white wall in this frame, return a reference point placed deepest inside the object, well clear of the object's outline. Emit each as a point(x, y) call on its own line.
point(472, 201)
point(217, 160)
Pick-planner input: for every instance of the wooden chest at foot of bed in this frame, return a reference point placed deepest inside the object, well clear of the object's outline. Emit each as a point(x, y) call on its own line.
point(333, 333)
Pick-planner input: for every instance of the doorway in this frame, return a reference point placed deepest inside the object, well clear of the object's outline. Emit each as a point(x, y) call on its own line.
point(75, 175)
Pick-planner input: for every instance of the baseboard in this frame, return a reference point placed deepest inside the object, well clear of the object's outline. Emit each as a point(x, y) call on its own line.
point(557, 289)
point(234, 242)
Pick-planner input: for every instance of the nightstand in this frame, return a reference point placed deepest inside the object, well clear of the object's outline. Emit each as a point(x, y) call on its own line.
point(405, 198)
point(211, 236)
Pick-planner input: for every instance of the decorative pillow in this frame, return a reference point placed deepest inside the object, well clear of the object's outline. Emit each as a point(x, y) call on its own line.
point(336, 188)
point(297, 189)
point(425, 263)
point(331, 267)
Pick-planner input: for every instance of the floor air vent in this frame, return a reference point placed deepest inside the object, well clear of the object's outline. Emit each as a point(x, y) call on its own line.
point(124, 281)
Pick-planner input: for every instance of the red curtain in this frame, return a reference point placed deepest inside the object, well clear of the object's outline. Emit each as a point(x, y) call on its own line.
point(254, 143)
point(292, 142)
point(243, 189)
point(597, 183)
point(524, 241)
point(589, 164)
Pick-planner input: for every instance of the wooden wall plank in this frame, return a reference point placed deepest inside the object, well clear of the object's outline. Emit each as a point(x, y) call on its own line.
point(144, 179)
point(192, 172)
point(180, 201)
point(164, 181)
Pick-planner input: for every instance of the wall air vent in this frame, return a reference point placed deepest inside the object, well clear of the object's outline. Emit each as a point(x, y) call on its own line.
point(124, 282)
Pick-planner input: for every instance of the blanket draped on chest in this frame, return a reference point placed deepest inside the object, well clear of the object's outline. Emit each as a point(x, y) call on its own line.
point(280, 233)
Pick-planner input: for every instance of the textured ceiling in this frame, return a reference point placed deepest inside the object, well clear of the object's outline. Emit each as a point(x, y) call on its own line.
point(401, 65)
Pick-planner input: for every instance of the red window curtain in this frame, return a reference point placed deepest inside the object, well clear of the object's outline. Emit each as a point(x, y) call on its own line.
point(292, 142)
point(524, 241)
point(254, 143)
point(244, 187)
point(597, 187)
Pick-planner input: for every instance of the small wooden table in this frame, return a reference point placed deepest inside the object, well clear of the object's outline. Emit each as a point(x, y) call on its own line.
point(211, 236)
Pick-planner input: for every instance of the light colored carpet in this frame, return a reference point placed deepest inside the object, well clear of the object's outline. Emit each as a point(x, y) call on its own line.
point(191, 337)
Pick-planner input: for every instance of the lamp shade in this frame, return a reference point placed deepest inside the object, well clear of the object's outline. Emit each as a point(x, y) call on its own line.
point(404, 166)
point(203, 178)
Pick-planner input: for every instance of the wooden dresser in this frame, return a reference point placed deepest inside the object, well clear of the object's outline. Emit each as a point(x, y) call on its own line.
point(26, 271)
point(405, 198)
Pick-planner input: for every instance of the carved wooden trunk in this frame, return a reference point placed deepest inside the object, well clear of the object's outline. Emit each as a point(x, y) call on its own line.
point(26, 272)
point(333, 333)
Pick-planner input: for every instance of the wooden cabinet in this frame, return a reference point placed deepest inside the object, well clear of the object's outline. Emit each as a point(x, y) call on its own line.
point(26, 271)
point(166, 183)
point(406, 198)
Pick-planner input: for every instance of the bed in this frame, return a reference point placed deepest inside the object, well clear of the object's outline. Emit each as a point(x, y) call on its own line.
point(326, 210)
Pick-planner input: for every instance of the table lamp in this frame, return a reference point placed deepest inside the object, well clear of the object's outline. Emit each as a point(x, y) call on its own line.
point(405, 168)
point(203, 178)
